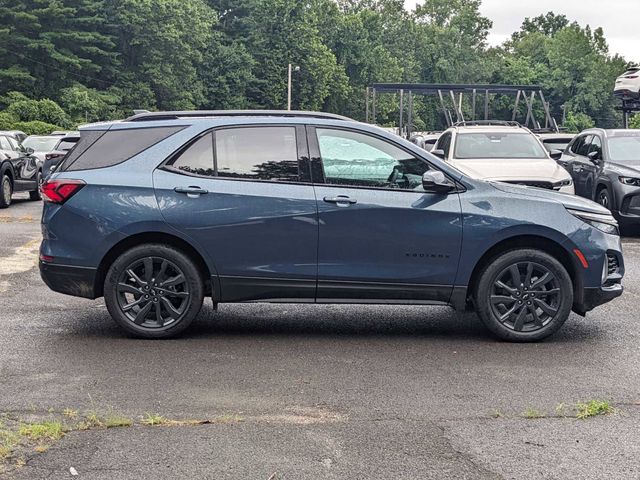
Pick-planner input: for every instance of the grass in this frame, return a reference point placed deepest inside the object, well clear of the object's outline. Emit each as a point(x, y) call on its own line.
point(114, 421)
point(49, 430)
point(152, 419)
point(532, 413)
point(593, 408)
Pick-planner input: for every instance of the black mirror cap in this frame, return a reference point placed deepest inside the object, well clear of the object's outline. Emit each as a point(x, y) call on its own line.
point(434, 181)
point(556, 154)
point(438, 153)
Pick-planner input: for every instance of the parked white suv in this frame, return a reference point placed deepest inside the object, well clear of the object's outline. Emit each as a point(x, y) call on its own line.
point(628, 84)
point(504, 152)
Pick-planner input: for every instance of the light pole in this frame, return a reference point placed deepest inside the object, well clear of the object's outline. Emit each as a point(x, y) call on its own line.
point(295, 69)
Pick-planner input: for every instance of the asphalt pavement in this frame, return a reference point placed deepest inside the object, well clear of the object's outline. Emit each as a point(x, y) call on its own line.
point(309, 391)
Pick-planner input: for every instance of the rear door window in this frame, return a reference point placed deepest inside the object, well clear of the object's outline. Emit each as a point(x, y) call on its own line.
point(258, 153)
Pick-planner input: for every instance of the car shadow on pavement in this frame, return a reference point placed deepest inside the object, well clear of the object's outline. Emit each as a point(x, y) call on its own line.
point(295, 320)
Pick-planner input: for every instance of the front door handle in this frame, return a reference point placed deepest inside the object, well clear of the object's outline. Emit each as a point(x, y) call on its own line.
point(341, 200)
point(192, 191)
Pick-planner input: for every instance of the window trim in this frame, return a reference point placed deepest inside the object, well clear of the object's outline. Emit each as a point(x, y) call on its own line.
point(318, 172)
point(304, 172)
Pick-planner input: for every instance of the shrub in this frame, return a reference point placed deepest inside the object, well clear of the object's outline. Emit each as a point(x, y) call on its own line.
point(36, 127)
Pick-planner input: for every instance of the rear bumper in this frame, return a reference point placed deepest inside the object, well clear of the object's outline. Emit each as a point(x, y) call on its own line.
point(70, 280)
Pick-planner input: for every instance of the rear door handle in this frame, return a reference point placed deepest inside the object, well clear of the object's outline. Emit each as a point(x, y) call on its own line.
point(341, 200)
point(191, 191)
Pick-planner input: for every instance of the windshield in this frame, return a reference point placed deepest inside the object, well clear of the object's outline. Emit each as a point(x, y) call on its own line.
point(40, 144)
point(498, 145)
point(624, 148)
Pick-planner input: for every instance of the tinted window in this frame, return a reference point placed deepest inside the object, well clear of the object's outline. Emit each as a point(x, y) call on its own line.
point(262, 153)
point(198, 157)
point(583, 149)
point(444, 144)
point(67, 144)
point(596, 146)
point(575, 146)
point(351, 158)
point(114, 146)
point(498, 145)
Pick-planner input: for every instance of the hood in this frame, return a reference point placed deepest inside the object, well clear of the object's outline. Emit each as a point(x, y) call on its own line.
point(569, 201)
point(542, 169)
point(630, 168)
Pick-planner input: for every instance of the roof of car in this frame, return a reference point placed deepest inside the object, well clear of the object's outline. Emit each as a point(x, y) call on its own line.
point(491, 128)
point(545, 136)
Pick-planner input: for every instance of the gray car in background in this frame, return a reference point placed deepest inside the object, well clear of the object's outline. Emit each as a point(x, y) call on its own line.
point(605, 167)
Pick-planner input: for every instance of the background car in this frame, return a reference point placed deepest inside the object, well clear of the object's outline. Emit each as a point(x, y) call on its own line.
point(556, 141)
point(502, 151)
point(17, 135)
point(20, 171)
point(628, 84)
point(143, 213)
point(51, 148)
point(605, 166)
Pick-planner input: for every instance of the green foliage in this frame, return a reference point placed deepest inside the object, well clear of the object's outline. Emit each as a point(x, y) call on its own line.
point(576, 122)
point(35, 127)
point(100, 59)
point(634, 122)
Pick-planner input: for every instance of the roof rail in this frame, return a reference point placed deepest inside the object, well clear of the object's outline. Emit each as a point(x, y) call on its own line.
point(174, 115)
point(497, 123)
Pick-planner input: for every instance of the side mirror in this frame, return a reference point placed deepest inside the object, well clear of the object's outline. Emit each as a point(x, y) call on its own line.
point(28, 150)
point(595, 157)
point(438, 153)
point(555, 154)
point(434, 181)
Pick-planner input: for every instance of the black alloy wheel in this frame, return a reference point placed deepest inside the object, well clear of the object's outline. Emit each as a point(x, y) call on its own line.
point(523, 295)
point(153, 291)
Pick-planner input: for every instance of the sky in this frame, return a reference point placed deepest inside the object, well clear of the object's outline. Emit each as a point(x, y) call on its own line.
point(619, 19)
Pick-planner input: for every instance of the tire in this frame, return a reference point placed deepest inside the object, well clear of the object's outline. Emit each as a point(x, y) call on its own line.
point(603, 197)
point(507, 307)
point(6, 190)
point(35, 194)
point(169, 310)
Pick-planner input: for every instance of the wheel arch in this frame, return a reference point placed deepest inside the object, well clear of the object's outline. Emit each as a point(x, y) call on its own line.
point(211, 286)
point(7, 168)
point(537, 242)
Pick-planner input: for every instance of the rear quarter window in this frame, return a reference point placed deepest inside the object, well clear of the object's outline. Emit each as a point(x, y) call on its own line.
point(106, 148)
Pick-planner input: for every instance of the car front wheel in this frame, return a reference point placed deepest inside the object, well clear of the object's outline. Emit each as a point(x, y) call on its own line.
point(524, 295)
point(604, 198)
point(153, 291)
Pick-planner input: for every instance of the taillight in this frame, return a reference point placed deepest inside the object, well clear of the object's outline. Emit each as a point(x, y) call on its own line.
point(61, 190)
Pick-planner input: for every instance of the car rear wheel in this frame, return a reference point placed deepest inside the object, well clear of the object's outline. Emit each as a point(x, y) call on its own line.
point(35, 194)
point(6, 190)
point(524, 295)
point(153, 291)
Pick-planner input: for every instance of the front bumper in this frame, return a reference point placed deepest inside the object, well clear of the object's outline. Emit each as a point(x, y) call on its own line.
point(70, 280)
point(594, 297)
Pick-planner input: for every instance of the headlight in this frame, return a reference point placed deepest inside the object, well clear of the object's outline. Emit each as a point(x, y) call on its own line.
point(630, 181)
point(562, 183)
point(602, 221)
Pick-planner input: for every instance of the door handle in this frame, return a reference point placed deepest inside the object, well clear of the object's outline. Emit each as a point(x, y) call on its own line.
point(192, 190)
point(341, 200)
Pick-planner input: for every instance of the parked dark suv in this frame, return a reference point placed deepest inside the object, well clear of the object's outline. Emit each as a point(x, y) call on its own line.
point(605, 166)
point(158, 211)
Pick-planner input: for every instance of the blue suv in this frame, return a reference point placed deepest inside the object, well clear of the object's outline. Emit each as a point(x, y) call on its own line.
point(160, 210)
